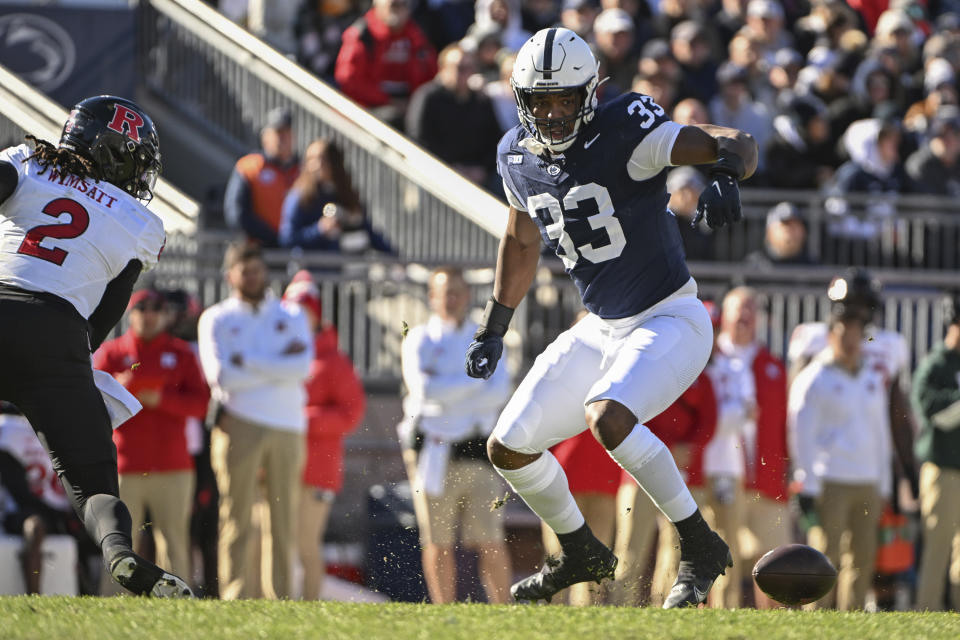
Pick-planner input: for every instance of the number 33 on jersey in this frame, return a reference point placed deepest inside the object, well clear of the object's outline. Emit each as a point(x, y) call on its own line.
point(601, 206)
point(71, 237)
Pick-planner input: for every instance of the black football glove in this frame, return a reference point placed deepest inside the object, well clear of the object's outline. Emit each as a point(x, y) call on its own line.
point(483, 354)
point(487, 346)
point(720, 201)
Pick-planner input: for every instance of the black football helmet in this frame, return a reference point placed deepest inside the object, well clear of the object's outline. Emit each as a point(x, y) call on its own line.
point(119, 138)
point(854, 293)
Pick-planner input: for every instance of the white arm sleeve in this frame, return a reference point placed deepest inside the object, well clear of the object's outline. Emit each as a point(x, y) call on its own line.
point(286, 367)
point(215, 361)
point(803, 421)
point(653, 153)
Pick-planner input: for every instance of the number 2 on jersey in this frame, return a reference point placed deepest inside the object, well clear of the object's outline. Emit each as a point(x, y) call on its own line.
point(79, 221)
point(604, 219)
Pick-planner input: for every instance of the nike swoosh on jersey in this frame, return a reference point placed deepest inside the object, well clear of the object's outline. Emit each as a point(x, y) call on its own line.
point(586, 145)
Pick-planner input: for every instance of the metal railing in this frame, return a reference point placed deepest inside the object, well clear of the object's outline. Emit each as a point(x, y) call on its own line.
point(882, 231)
point(216, 73)
point(25, 110)
point(369, 300)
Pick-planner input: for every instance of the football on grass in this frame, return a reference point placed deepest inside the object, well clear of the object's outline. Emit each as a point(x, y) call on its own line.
point(794, 574)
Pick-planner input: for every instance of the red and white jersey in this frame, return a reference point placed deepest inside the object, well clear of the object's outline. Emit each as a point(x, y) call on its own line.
point(883, 350)
point(19, 440)
point(71, 237)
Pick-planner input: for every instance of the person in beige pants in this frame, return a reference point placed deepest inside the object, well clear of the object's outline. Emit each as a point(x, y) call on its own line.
point(256, 353)
point(447, 418)
point(936, 402)
point(841, 449)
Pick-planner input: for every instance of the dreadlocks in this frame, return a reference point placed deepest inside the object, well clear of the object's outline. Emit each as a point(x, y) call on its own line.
point(69, 161)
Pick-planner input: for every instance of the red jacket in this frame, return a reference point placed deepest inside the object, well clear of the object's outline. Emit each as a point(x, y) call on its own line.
point(770, 464)
point(691, 420)
point(588, 466)
point(335, 405)
point(870, 11)
point(155, 439)
point(375, 65)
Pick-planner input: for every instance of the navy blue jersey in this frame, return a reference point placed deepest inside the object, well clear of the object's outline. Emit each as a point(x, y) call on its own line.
point(614, 233)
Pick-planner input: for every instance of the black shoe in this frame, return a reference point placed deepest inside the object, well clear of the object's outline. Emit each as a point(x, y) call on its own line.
point(146, 579)
point(696, 575)
point(595, 562)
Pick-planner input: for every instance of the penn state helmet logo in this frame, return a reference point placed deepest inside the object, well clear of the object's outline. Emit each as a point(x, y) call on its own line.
point(126, 122)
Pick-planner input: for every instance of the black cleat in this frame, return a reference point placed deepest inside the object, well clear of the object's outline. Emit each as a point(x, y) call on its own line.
point(146, 579)
point(596, 562)
point(696, 575)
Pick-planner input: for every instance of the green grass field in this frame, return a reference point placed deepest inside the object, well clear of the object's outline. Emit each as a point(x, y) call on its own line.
point(60, 618)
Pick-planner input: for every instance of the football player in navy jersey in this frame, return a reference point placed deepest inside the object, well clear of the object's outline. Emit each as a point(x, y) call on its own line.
point(74, 237)
point(590, 182)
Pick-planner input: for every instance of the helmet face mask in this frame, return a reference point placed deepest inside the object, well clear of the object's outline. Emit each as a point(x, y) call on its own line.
point(555, 61)
point(121, 141)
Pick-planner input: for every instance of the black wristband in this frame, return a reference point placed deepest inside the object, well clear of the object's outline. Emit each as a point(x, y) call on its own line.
point(496, 318)
point(728, 161)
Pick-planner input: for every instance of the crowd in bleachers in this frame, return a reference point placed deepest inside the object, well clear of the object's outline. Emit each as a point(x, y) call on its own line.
point(842, 98)
point(796, 75)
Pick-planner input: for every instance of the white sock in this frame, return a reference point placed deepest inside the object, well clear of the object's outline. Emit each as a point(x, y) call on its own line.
point(651, 464)
point(543, 486)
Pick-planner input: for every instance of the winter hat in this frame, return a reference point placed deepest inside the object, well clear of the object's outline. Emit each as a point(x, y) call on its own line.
point(303, 290)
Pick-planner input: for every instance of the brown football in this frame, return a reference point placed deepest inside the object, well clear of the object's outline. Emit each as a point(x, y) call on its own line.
point(794, 574)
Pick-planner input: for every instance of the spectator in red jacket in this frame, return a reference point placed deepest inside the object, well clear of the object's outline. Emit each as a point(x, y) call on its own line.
point(156, 469)
point(384, 57)
point(335, 405)
point(747, 458)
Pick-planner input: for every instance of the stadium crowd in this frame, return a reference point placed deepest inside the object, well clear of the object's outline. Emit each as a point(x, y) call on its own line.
point(795, 75)
point(842, 97)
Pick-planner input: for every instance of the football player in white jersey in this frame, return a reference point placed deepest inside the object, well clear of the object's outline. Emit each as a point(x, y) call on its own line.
point(590, 182)
point(883, 350)
point(74, 237)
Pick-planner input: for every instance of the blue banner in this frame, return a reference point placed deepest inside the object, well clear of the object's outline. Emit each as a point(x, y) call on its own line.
point(70, 53)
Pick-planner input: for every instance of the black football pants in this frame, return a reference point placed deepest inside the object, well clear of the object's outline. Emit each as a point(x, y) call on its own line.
point(45, 371)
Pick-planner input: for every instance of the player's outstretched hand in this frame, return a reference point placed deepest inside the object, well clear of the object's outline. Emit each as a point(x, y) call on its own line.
point(719, 202)
point(483, 354)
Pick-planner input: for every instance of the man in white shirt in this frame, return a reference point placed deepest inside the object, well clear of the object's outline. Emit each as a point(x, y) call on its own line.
point(447, 418)
point(841, 449)
point(255, 352)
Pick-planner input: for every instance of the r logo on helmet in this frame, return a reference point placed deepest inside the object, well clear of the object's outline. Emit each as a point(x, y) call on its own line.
point(126, 122)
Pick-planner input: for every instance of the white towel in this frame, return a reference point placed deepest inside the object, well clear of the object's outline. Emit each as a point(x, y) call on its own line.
point(432, 465)
point(121, 404)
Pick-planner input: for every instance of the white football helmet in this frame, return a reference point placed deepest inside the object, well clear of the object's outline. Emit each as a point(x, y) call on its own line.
point(555, 60)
